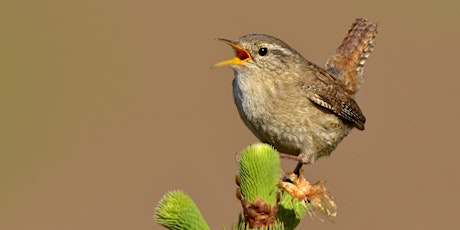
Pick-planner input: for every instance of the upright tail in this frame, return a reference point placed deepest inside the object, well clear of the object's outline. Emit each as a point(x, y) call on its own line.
point(348, 61)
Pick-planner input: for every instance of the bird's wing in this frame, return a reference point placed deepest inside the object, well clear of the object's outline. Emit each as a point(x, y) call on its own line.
point(325, 91)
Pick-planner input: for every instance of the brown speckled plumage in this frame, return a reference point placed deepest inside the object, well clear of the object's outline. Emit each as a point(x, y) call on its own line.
point(296, 106)
point(348, 61)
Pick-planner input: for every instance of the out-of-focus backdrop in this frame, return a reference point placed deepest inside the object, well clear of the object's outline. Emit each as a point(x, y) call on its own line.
point(107, 105)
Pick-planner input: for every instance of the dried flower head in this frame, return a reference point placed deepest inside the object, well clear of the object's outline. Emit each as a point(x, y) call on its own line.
point(320, 200)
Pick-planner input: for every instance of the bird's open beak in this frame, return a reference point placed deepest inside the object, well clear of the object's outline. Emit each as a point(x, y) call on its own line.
point(242, 55)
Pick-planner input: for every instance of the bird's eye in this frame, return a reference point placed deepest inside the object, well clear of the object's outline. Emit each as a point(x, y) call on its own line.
point(263, 51)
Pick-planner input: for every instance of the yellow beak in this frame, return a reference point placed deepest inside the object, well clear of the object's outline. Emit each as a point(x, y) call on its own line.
point(242, 55)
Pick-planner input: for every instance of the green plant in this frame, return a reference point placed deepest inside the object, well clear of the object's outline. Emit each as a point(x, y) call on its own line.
point(265, 204)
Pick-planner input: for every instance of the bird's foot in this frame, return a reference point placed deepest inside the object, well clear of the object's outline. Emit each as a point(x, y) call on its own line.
point(290, 157)
point(300, 159)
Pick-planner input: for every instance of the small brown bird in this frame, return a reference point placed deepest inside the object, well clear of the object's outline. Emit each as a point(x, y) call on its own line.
point(301, 109)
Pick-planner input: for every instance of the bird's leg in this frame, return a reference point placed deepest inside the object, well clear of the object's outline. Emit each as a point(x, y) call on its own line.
point(298, 168)
point(301, 161)
point(290, 157)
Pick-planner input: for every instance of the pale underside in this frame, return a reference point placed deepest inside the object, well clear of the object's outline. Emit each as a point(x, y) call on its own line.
point(295, 127)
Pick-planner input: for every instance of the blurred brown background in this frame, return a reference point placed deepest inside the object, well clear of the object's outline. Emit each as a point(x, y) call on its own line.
point(107, 105)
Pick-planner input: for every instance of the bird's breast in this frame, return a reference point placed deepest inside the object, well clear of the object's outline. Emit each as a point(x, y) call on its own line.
point(271, 111)
point(282, 116)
